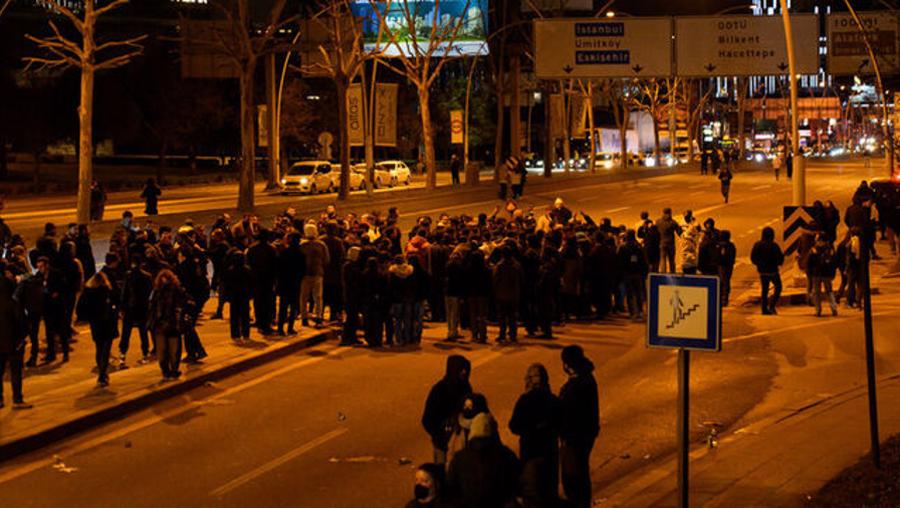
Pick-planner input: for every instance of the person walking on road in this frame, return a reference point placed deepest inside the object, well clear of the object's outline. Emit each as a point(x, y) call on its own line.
point(725, 177)
point(536, 420)
point(776, 166)
point(444, 404)
point(455, 164)
point(726, 255)
point(150, 195)
point(98, 201)
point(579, 426)
point(12, 338)
point(768, 258)
point(166, 320)
point(97, 306)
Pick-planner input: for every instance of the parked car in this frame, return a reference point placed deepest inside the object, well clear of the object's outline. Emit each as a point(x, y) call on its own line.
point(605, 160)
point(398, 171)
point(313, 177)
point(381, 178)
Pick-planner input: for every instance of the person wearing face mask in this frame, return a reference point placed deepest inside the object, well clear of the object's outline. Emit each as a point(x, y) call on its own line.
point(580, 425)
point(535, 420)
point(429, 489)
point(473, 405)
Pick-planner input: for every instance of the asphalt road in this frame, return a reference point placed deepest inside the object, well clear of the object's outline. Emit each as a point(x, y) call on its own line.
point(329, 426)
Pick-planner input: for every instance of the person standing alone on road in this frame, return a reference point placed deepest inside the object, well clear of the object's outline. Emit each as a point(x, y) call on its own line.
point(444, 403)
point(455, 164)
point(150, 195)
point(725, 177)
point(768, 258)
point(579, 426)
point(822, 265)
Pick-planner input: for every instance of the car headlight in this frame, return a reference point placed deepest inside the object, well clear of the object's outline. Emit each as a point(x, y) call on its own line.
point(304, 181)
point(759, 157)
point(283, 181)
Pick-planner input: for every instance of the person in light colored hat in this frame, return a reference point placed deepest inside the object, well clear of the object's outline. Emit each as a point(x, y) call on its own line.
point(485, 473)
point(317, 258)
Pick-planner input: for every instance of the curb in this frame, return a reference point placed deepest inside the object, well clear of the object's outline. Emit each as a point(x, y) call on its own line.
point(82, 423)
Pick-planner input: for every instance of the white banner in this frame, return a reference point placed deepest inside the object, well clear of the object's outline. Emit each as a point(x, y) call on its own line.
point(552, 6)
point(456, 126)
point(612, 48)
point(355, 124)
point(847, 54)
point(744, 45)
point(386, 114)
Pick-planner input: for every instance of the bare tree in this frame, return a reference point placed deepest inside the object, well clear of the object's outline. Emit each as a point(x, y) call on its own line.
point(4, 5)
point(341, 59)
point(421, 57)
point(650, 97)
point(619, 94)
point(91, 57)
point(244, 45)
point(694, 99)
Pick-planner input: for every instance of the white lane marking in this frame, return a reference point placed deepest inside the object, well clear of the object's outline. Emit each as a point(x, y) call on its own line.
point(273, 464)
point(761, 187)
point(93, 443)
point(621, 209)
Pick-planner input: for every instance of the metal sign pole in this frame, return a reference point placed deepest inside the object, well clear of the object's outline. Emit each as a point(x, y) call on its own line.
point(870, 354)
point(684, 368)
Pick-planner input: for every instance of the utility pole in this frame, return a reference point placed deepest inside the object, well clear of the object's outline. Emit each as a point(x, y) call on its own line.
point(272, 123)
point(799, 178)
point(515, 135)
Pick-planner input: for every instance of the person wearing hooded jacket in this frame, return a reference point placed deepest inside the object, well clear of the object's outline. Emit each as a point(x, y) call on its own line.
point(97, 307)
point(486, 473)
point(430, 487)
point(579, 427)
point(507, 286)
point(768, 258)
point(12, 339)
point(290, 267)
point(444, 404)
point(402, 295)
point(237, 285)
point(668, 229)
point(351, 275)
point(536, 420)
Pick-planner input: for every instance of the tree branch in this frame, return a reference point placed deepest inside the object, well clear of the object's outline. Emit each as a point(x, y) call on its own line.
point(132, 43)
point(61, 9)
point(118, 61)
point(112, 5)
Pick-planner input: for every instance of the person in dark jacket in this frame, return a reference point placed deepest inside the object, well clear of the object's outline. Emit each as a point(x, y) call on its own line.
point(218, 253)
point(150, 195)
point(30, 295)
point(507, 285)
point(98, 201)
point(290, 268)
point(726, 255)
point(633, 268)
point(486, 473)
point(352, 295)
point(166, 320)
point(455, 165)
point(332, 287)
point(55, 324)
point(536, 420)
point(134, 306)
point(438, 256)
point(668, 230)
point(455, 293)
point(12, 338)
point(97, 307)
point(237, 283)
point(262, 258)
point(478, 292)
point(579, 427)
point(444, 404)
point(768, 258)
point(196, 285)
point(402, 294)
point(374, 302)
point(822, 266)
point(430, 488)
point(84, 252)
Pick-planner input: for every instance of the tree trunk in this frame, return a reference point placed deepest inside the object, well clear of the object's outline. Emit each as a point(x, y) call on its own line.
point(247, 177)
point(741, 95)
point(271, 125)
point(4, 167)
point(85, 142)
point(498, 136)
point(655, 139)
point(549, 141)
point(344, 184)
point(427, 140)
point(623, 136)
point(592, 136)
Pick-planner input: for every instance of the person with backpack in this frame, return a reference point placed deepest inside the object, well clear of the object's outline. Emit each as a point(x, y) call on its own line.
point(768, 258)
point(822, 266)
point(633, 267)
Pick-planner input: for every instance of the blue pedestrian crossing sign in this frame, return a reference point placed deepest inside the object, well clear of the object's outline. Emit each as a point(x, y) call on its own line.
point(684, 312)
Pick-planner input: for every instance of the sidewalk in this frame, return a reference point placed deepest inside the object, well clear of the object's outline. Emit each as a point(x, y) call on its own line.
point(66, 399)
point(775, 462)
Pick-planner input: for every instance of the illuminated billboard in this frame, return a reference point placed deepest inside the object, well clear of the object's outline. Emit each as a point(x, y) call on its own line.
point(412, 21)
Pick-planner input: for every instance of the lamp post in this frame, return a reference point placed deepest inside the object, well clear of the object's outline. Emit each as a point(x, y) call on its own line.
point(799, 177)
